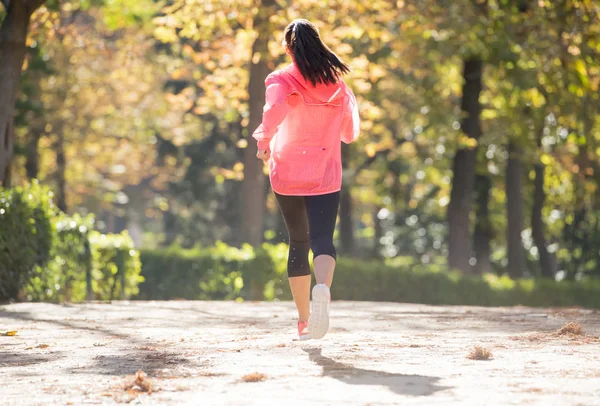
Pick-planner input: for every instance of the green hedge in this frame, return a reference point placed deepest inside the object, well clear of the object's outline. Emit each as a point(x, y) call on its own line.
point(213, 273)
point(356, 280)
point(108, 260)
point(116, 271)
point(223, 272)
point(26, 236)
point(46, 255)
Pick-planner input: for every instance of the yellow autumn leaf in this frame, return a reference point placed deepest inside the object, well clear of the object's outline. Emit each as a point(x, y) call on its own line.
point(467, 142)
point(370, 150)
point(11, 333)
point(238, 167)
point(489, 114)
point(546, 159)
point(377, 72)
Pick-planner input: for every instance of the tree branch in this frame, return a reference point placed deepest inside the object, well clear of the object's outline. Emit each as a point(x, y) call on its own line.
point(31, 5)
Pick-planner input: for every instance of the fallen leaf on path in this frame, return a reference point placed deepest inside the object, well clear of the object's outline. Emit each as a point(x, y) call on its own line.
point(43, 346)
point(140, 383)
point(572, 331)
point(572, 328)
point(480, 354)
point(28, 348)
point(254, 377)
point(10, 333)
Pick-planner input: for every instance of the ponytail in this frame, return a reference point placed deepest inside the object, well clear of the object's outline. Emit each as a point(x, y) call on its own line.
point(315, 61)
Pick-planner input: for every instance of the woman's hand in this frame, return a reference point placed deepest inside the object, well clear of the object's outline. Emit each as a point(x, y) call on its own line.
point(263, 154)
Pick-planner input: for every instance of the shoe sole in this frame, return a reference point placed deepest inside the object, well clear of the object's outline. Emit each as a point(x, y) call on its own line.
point(318, 323)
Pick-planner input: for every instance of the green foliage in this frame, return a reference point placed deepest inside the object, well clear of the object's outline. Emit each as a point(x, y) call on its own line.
point(63, 278)
point(110, 259)
point(125, 13)
point(45, 254)
point(26, 235)
point(219, 272)
point(215, 273)
point(116, 265)
point(433, 284)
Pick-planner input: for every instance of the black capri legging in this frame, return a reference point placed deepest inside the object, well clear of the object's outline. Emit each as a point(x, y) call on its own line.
point(310, 221)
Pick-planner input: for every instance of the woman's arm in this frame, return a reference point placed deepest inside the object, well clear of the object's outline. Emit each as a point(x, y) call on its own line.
point(351, 119)
point(274, 112)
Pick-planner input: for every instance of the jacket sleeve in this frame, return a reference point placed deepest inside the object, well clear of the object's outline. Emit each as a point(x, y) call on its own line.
point(274, 111)
point(350, 119)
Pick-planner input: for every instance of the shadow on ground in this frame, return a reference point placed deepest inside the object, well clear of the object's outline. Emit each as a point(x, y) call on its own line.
point(410, 385)
point(20, 359)
point(127, 364)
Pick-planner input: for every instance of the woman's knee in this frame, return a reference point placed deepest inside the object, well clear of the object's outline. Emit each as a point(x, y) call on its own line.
point(298, 259)
point(323, 245)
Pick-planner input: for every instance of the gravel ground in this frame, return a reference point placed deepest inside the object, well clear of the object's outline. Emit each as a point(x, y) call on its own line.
point(226, 353)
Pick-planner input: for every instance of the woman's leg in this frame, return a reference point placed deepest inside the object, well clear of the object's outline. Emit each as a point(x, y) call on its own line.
point(293, 210)
point(322, 215)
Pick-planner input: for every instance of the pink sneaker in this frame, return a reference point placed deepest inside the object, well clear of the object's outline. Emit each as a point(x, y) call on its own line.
point(302, 333)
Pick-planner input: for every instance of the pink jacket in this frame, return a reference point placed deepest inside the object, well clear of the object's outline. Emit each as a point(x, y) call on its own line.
point(303, 126)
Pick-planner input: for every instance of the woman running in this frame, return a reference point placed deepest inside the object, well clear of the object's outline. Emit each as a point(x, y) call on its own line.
point(309, 110)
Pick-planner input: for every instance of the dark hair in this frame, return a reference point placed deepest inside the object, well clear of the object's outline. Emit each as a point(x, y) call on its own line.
point(315, 61)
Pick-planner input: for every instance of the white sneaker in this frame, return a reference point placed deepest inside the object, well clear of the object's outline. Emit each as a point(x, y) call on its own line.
point(318, 323)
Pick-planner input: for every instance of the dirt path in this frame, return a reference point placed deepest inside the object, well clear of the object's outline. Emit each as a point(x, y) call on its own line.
point(198, 353)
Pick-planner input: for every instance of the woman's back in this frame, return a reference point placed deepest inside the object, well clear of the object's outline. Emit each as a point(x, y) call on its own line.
point(315, 113)
point(309, 110)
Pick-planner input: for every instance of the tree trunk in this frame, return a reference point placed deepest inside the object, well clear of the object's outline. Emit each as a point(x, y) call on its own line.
point(378, 234)
point(61, 164)
point(548, 264)
point(13, 33)
point(253, 197)
point(170, 228)
point(514, 211)
point(32, 163)
point(461, 195)
point(347, 240)
point(483, 226)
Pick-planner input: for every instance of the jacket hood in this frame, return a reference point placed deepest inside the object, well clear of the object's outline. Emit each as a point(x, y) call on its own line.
point(327, 94)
